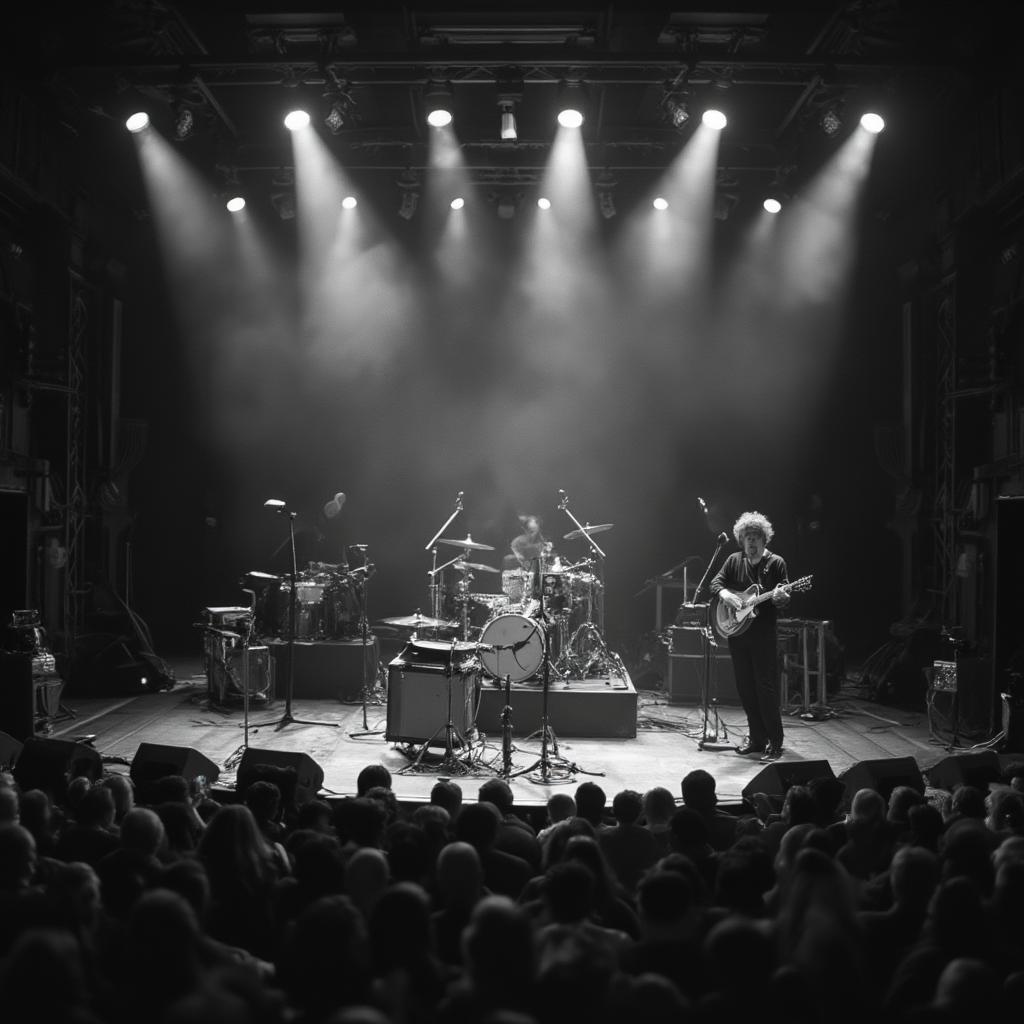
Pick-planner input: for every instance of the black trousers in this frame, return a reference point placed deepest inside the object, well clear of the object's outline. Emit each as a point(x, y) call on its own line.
point(756, 667)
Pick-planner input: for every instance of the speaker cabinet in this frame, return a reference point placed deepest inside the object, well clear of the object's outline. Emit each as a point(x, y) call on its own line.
point(965, 770)
point(1007, 645)
point(10, 748)
point(883, 775)
point(418, 702)
point(775, 778)
point(155, 761)
point(296, 775)
point(686, 674)
point(17, 695)
point(50, 765)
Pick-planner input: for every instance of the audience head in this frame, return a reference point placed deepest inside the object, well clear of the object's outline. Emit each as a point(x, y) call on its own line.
point(663, 899)
point(627, 806)
point(967, 802)
point(459, 875)
point(913, 876)
point(590, 801)
point(315, 815)
point(142, 831)
point(384, 796)
point(828, 793)
point(263, 798)
point(689, 832)
point(499, 793)
point(360, 821)
point(1005, 811)
point(17, 857)
point(659, 805)
point(477, 824)
point(96, 808)
point(367, 875)
point(447, 794)
point(560, 807)
point(569, 892)
point(370, 776)
point(498, 947)
point(901, 799)
point(867, 808)
point(698, 789)
point(124, 794)
point(799, 807)
point(8, 805)
point(400, 929)
point(926, 825)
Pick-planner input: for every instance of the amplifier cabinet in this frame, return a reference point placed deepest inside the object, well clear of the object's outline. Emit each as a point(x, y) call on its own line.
point(418, 702)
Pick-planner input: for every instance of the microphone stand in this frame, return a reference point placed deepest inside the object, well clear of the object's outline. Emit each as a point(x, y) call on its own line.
point(364, 634)
point(288, 718)
point(434, 590)
point(710, 740)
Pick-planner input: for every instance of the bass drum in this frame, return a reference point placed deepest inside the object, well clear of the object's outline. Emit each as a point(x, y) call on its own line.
point(518, 647)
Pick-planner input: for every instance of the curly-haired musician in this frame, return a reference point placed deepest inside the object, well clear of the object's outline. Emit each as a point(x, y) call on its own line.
point(753, 649)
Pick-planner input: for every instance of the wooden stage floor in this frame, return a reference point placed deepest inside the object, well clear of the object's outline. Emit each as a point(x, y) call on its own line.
point(667, 744)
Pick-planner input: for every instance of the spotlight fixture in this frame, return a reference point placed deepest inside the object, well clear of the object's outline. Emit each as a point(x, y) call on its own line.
point(349, 203)
point(677, 112)
point(458, 203)
point(439, 105)
point(543, 203)
point(714, 119)
point(284, 204)
point(137, 122)
point(336, 116)
point(235, 204)
point(831, 122)
point(409, 187)
point(509, 130)
point(606, 194)
point(772, 205)
point(295, 120)
point(570, 105)
point(873, 123)
point(660, 203)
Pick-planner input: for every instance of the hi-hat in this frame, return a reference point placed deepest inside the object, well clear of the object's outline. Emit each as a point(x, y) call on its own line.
point(418, 621)
point(587, 530)
point(467, 543)
point(466, 566)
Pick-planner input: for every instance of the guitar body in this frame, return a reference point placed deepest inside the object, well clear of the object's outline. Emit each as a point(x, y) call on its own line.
point(730, 622)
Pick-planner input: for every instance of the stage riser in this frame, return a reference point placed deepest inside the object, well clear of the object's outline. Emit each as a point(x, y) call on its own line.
point(608, 712)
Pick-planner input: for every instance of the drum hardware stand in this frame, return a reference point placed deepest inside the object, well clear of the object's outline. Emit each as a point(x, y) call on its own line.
point(564, 506)
point(710, 739)
point(506, 731)
point(544, 770)
point(364, 634)
point(287, 718)
point(450, 763)
point(434, 589)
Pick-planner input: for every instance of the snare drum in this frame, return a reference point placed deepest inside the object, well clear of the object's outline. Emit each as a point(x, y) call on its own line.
point(518, 647)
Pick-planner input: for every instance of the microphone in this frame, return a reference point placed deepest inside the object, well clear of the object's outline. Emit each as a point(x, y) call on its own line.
point(333, 507)
point(274, 503)
point(703, 505)
point(723, 538)
point(458, 497)
point(561, 493)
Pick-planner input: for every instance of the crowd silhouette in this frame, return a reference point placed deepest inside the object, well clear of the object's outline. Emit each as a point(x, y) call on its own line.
point(167, 905)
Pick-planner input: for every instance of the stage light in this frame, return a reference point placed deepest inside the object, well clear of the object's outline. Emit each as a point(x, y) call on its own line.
point(660, 203)
point(349, 203)
point(831, 121)
point(295, 120)
point(336, 116)
point(544, 203)
point(677, 112)
point(714, 119)
point(606, 204)
point(137, 122)
point(872, 123)
point(509, 130)
point(570, 105)
point(235, 204)
point(772, 205)
point(184, 122)
point(284, 204)
point(458, 203)
point(407, 208)
point(439, 105)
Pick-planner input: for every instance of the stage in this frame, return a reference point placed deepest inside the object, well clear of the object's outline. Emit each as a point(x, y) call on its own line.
point(658, 743)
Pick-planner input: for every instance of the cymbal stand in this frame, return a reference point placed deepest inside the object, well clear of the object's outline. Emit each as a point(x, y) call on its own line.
point(595, 547)
point(364, 632)
point(549, 768)
point(710, 738)
point(288, 718)
point(450, 763)
point(434, 589)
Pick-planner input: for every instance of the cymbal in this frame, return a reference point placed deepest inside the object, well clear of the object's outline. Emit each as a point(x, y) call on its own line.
point(417, 621)
point(467, 543)
point(465, 566)
point(256, 575)
point(577, 534)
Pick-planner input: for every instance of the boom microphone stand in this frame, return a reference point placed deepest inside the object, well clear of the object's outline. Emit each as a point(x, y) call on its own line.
point(710, 735)
point(287, 718)
point(367, 571)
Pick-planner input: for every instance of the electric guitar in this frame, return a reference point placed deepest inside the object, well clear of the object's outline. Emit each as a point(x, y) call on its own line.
point(730, 622)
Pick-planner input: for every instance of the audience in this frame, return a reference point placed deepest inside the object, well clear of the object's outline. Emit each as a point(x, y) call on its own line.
point(118, 906)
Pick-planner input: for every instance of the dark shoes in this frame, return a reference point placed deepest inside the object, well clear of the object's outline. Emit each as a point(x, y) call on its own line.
point(746, 747)
point(771, 753)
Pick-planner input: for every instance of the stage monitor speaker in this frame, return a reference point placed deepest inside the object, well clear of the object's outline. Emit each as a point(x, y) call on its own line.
point(155, 761)
point(418, 702)
point(685, 679)
point(965, 770)
point(882, 775)
point(10, 748)
point(50, 765)
point(296, 775)
point(776, 778)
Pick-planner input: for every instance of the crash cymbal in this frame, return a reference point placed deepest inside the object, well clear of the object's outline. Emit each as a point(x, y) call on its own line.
point(417, 621)
point(467, 543)
point(255, 575)
point(466, 566)
point(587, 529)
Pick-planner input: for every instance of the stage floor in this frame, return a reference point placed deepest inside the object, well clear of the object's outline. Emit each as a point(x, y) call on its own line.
point(667, 744)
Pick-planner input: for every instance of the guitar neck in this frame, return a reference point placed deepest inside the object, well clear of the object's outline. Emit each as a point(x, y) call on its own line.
point(787, 587)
